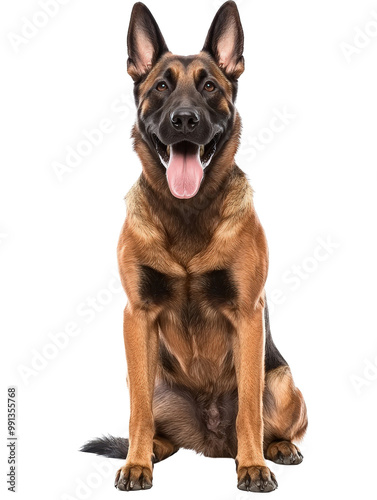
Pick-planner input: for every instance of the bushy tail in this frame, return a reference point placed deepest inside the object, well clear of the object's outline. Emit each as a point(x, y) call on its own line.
point(109, 446)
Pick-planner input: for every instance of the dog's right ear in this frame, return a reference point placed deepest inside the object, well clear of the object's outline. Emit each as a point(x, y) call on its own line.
point(145, 42)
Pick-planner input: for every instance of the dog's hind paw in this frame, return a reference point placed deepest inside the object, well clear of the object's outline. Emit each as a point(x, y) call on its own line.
point(284, 453)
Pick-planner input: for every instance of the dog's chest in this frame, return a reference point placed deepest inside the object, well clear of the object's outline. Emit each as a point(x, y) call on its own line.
point(210, 290)
point(195, 332)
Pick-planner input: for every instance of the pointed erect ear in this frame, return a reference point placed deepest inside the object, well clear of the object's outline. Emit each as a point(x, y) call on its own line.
point(145, 42)
point(225, 40)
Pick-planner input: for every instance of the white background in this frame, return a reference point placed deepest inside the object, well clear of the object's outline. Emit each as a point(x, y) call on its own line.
point(316, 178)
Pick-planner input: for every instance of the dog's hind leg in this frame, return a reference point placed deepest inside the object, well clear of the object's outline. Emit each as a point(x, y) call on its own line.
point(163, 448)
point(284, 411)
point(285, 417)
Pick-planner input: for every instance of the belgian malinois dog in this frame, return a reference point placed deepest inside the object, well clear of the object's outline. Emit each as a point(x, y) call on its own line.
point(203, 371)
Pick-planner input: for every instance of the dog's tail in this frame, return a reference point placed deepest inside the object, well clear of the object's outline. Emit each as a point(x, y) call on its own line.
point(109, 446)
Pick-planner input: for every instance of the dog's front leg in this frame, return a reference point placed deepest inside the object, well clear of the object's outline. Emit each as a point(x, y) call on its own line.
point(253, 475)
point(141, 343)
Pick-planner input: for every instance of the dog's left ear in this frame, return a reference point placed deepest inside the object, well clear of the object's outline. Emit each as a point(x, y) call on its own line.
point(225, 40)
point(144, 41)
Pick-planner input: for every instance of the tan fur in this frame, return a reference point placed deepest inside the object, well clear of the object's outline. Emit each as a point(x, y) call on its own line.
point(286, 418)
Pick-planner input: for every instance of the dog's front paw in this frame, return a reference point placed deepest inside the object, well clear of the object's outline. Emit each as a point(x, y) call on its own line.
point(133, 477)
point(256, 479)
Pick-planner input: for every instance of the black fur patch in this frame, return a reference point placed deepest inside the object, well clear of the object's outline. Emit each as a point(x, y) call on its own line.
point(154, 286)
point(220, 288)
point(272, 357)
point(168, 361)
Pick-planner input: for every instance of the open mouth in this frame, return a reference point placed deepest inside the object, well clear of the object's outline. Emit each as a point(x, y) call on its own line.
point(206, 151)
point(185, 163)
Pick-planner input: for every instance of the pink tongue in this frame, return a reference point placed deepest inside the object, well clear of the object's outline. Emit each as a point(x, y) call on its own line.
point(185, 172)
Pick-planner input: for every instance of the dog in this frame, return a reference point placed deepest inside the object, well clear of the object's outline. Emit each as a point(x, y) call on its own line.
point(203, 371)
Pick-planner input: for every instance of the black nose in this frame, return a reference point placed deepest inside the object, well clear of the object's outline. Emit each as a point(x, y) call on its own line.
point(184, 119)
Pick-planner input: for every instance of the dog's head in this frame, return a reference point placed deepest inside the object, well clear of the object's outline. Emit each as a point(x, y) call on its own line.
point(185, 103)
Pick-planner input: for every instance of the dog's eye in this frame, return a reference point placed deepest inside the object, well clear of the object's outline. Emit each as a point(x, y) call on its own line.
point(209, 86)
point(161, 86)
